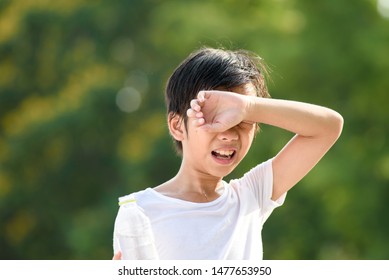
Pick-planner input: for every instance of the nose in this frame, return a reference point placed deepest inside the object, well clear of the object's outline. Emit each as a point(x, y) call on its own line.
point(228, 135)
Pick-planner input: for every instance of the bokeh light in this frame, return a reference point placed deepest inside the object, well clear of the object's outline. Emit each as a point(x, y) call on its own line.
point(128, 99)
point(383, 8)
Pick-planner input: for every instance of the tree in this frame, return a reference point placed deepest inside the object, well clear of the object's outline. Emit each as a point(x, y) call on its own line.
point(82, 118)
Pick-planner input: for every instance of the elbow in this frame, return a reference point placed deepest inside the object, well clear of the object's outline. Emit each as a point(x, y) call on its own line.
point(335, 127)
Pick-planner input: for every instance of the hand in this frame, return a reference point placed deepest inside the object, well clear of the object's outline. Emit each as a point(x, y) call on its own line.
point(117, 256)
point(218, 111)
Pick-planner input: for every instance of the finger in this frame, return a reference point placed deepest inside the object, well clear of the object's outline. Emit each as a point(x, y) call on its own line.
point(198, 122)
point(194, 104)
point(193, 114)
point(117, 256)
point(201, 96)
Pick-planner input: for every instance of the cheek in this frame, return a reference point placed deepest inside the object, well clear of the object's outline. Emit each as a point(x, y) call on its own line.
point(198, 138)
point(247, 139)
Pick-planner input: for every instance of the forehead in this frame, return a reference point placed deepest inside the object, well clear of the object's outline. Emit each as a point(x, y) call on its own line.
point(246, 89)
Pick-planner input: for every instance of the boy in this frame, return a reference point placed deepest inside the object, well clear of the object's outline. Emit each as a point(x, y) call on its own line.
point(215, 98)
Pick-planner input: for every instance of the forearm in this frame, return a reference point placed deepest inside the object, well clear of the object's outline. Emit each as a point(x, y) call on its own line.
point(304, 119)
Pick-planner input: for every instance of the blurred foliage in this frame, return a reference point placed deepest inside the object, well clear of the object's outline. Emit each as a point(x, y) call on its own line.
point(82, 117)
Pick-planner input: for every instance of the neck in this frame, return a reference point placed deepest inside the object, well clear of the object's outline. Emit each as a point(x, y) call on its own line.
point(196, 180)
point(192, 185)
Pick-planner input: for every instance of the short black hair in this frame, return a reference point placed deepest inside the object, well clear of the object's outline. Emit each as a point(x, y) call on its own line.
point(209, 69)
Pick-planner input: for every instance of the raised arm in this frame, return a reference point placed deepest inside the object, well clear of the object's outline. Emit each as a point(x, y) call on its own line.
point(316, 128)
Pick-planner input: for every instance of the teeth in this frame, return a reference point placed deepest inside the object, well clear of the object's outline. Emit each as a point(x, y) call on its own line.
point(224, 152)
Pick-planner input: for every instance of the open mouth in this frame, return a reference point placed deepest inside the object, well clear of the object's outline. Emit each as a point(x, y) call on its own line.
point(223, 154)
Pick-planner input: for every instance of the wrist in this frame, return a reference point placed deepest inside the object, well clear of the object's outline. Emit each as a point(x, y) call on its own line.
point(251, 108)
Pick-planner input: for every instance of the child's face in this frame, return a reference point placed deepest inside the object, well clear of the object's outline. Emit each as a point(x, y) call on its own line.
point(217, 154)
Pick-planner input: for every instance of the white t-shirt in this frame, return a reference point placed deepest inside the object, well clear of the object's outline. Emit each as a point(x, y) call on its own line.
point(226, 228)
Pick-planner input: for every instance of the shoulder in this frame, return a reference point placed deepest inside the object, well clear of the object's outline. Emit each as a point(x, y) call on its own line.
point(256, 183)
point(260, 174)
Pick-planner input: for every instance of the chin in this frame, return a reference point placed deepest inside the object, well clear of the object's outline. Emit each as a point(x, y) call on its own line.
point(223, 171)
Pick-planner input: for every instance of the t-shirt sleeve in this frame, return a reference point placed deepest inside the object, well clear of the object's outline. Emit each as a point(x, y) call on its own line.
point(259, 182)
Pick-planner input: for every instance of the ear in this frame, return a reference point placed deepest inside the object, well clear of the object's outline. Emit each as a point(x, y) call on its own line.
point(176, 126)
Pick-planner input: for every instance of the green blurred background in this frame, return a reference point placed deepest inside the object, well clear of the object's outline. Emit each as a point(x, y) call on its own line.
point(82, 116)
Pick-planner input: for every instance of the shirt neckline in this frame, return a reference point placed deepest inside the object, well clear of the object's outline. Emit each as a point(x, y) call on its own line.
point(190, 203)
